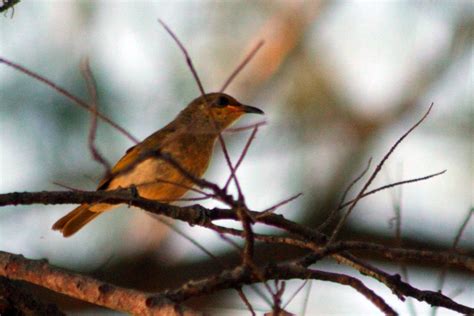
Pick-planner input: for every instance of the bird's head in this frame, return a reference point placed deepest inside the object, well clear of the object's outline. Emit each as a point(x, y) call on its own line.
point(213, 112)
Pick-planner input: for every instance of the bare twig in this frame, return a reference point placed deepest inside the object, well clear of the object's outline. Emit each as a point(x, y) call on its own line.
point(392, 185)
point(181, 185)
point(306, 299)
point(193, 241)
point(272, 209)
point(65, 186)
point(186, 55)
point(240, 275)
point(68, 95)
point(232, 169)
point(244, 128)
point(242, 65)
point(457, 238)
point(403, 289)
point(374, 175)
point(246, 301)
point(248, 235)
point(221, 231)
point(242, 155)
point(356, 284)
point(397, 209)
point(292, 296)
point(333, 214)
point(279, 291)
point(353, 182)
point(92, 89)
point(462, 228)
point(192, 199)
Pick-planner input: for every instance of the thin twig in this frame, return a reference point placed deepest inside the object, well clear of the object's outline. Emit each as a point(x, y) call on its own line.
point(92, 89)
point(221, 231)
point(193, 241)
point(261, 294)
point(65, 186)
point(246, 301)
point(242, 155)
point(68, 95)
point(333, 214)
point(279, 291)
point(306, 299)
point(391, 185)
point(457, 238)
point(374, 175)
point(242, 65)
point(240, 275)
point(272, 209)
point(248, 236)
point(356, 284)
point(244, 128)
point(186, 55)
point(233, 175)
point(292, 296)
point(397, 209)
point(462, 228)
point(357, 179)
point(202, 198)
point(181, 185)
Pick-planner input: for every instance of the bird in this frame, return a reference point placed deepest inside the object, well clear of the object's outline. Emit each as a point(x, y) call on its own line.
point(188, 140)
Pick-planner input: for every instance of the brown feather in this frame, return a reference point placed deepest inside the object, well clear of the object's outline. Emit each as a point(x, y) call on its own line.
point(75, 220)
point(134, 152)
point(189, 140)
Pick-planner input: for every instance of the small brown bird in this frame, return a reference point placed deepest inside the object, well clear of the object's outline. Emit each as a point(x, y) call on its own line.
point(189, 140)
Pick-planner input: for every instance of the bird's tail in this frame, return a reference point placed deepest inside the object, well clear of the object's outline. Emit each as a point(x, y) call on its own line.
point(78, 217)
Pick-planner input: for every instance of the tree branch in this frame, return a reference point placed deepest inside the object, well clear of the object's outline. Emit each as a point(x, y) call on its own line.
point(39, 272)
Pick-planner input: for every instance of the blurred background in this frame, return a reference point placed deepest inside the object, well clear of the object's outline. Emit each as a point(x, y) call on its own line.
point(339, 82)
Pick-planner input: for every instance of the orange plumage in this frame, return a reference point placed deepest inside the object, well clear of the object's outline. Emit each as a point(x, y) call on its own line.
point(189, 140)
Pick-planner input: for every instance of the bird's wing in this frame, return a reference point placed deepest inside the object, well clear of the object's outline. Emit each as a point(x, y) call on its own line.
point(153, 142)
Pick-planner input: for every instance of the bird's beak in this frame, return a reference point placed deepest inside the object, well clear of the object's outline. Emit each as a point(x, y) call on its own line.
point(251, 109)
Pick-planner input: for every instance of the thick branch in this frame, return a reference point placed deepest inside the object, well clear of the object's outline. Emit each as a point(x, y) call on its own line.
point(241, 275)
point(198, 215)
point(85, 288)
point(14, 300)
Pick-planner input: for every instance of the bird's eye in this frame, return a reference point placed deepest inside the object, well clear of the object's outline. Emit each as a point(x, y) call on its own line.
point(222, 101)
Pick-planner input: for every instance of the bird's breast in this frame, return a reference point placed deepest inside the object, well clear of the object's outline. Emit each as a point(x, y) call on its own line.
point(159, 180)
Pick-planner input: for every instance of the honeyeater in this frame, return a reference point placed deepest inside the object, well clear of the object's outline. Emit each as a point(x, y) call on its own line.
point(188, 141)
